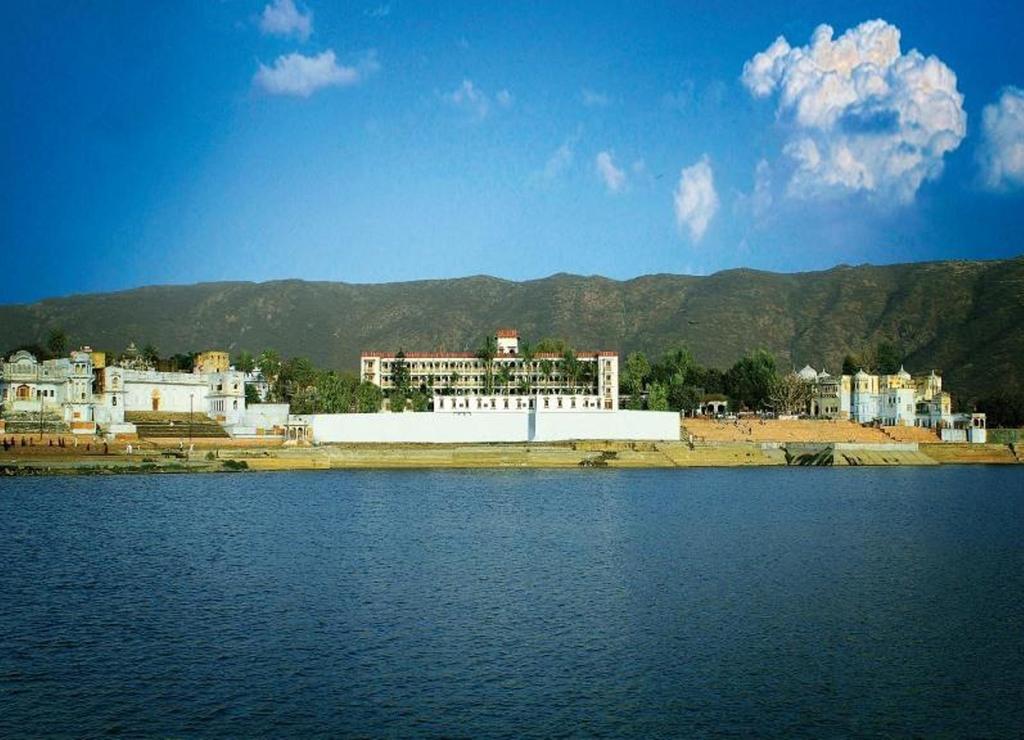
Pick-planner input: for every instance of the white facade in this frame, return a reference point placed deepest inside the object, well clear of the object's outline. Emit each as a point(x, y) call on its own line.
point(494, 426)
point(511, 374)
point(83, 396)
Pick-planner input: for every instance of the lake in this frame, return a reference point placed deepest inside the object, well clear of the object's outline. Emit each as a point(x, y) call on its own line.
point(807, 602)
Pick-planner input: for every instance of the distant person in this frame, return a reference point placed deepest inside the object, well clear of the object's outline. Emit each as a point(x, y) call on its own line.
point(129, 448)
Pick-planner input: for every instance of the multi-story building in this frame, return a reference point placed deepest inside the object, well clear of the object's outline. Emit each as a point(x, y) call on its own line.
point(510, 380)
point(897, 399)
point(83, 393)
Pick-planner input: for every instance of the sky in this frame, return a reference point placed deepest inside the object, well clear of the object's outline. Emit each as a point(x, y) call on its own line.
point(177, 142)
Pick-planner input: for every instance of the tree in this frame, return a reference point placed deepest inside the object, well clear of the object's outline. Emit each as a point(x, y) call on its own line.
point(505, 376)
point(637, 370)
point(750, 380)
point(400, 380)
point(57, 342)
point(677, 365)
point(790, 394)
point(887, 358)
point(369, 398)
point(550, 346)
point(251, 395)
point(657, 397)
point(547, 369)
point(571, 370)
point(487, 352)
point(850, 365)
point(1003, 410)
point(245, 362)
point(335, 393)
point(420, 401)
point(269, 363)
point(682, 397)
point(151, 354)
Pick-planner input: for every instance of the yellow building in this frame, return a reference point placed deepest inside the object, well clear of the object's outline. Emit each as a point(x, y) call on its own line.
point(212, 361)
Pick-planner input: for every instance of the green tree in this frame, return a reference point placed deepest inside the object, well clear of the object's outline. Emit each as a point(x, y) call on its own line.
point(151, 354)
point(637, 369)
point(887, 358)
point(335, 392)
point(551, 346)
point(571, 370)
point(657, 397)
point(369, 398)
point(245, 362)
point(487, 352)
point(400, 382)
point(850, 365)
point(420, 401)
point(251, 394)
point(751, 379)
point(547, 369)
point(505, 376)
point(57, 342)
point(269, 363)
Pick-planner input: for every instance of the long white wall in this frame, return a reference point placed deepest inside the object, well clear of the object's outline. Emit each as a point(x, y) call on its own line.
point(512, 426)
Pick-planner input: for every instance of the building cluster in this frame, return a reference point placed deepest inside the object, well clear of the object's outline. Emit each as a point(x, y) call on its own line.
point(83, 391)
point(508, 381)
point(896, 399)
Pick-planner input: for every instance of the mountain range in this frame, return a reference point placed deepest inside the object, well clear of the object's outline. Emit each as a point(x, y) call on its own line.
point(963, 318)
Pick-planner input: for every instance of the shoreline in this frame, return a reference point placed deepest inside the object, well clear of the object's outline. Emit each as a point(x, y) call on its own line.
point(561, 455)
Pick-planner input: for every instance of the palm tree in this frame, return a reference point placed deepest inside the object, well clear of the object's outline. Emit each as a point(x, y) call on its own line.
point(547, 367)
point(453, 381)
point(505, 375)
point(487, 353)
point(571, 369)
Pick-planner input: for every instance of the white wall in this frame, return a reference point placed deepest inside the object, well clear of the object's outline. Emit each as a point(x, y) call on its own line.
point(650, 425)
point(511, 426)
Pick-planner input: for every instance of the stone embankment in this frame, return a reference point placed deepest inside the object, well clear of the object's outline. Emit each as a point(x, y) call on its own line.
point(705, 444)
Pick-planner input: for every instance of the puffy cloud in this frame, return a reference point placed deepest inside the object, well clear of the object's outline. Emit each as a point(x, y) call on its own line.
point(1002, 149)
point(614, 178)
point(282, 18)
point(696, 201)
point(474, 101)
point(594, 99)
point(296, 74)
point(862, 116)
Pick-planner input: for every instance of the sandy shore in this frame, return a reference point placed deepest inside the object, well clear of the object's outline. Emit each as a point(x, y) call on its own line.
point(234, 457)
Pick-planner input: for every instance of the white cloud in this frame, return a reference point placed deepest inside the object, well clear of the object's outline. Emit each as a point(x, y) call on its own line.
point(594, 99)
point(861, 115)
point(471, 99)
point(296, 74)
point(614, 178)
point(378, 11)
point(282, 18)
point(1002, 149)
point(559, 162)
point(695, 199)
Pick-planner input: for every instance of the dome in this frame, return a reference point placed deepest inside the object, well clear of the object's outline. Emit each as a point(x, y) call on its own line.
point(861, 375)
point(808, 373)
point(903, 373)
point(823, 375)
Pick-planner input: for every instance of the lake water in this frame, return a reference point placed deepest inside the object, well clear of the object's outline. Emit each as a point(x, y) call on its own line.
point(812, 602)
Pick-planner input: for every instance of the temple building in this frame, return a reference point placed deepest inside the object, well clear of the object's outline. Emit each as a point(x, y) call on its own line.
point(896, 399)
point(83, 392)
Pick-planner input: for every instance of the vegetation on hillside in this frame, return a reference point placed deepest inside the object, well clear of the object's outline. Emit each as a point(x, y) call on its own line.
point(964, 319)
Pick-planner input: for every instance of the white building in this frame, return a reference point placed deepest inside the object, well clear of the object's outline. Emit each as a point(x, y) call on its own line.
point(83, 396)
point(897, 399)
point(510, 380)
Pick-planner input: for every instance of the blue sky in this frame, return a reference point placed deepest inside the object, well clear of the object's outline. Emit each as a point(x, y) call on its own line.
point(180, 142)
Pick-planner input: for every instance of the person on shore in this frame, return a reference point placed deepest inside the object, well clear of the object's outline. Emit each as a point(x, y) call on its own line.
point(106, 449)
point(128, 449)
